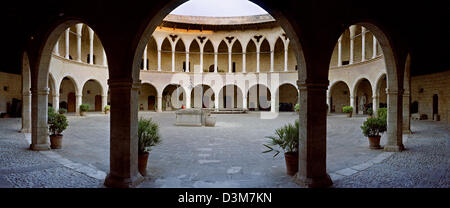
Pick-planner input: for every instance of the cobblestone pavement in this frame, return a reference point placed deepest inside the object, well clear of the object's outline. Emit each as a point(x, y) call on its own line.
point(425, 163)
point(228, 155)
point(22, 168)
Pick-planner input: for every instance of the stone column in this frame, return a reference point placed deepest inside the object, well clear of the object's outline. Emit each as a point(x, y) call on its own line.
point(145, 59)
point(67, 53)
point(91, 46)
point(406, 113)
point(286, 59)
point(188, 100)
point(26, 112)
point(363, 44)
point(39, 130)
point(352, 36)
point(173, 58)
point(374, 47)
point(187, 59)
point(312, 170)
point(229, 59)
point(216, 101)
point(201, 59)
point(56, 102)
point(159, 59)
point(105, 61)
point(215, 60)
point(257, 58)
point(271, 60)
point(375, 104)
point(244, 103)
point(78, 101)
point(56, 49)
point(104, 101)
point(159, 105)
point(79, 27)
point(123, 171)
point(394, 141)
point(243, 62)
point(274, 103)
point(353, 103)
point(340, 51)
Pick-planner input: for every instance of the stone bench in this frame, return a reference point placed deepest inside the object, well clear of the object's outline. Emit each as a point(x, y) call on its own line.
point(194, 117)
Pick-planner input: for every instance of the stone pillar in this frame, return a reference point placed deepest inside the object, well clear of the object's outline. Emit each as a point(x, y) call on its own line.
point(374, 47)
point(274, 103)
point(105, 61)
point(201, 59)
point(257, 58)
point(244, 103)
point(187, 59)
point(159, 59)
point(216, 101)
point(394, 141)
point(26, 112)
point(188, 100)
point(312, 171)
point(375, 104)
point(39, 130)
point(56, 102)
point(215, 60)
point(67, 53)
point(79, 27)
point(352, 36)
point(230, 68)
point(285, 59)
point(104, 101)
point(173, 58)
point(78, 101)
point(243, 62)
point(271, 60)
point(353, 103)
point(340, 51)
point(91, 46)
point(56, 49)
point(123, 171)
point(145, 59)
point(363, 44)
point(406, 113)
point(159, 105)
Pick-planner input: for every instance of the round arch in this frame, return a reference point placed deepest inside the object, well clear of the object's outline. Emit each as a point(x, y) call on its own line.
point(230, 96)
point(92, 94)
point(287, 96)
point(202, 96)
point(174, 97)
point(148, 95)
point(339, 95)
point(259, 97)
point(362, 92)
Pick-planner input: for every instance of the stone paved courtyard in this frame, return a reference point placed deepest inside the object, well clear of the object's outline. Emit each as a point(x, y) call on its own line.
point(228, 155)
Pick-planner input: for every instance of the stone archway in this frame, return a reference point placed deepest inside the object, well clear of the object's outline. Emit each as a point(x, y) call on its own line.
point(202, 96)
point(92, 95)
point(362, 93)
point(339, 96)
point(230, 97)
point(287, 97)
point(258, 98)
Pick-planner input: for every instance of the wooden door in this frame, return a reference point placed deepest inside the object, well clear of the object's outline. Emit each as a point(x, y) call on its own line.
point(71, 99)
point(151, 102)
point(98, 103)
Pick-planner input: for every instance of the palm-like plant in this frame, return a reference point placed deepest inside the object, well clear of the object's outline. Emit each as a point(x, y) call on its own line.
point(148, 134)
point(286, 137)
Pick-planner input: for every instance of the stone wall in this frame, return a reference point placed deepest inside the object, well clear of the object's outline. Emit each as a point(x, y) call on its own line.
point(10, 88)
point(424, 87)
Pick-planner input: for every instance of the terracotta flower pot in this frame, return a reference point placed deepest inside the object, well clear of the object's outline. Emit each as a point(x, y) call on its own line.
point(374, 142)
point(106, 111)
point(56, 141)
point(82, 113)
point(349, 114)
point(291, 162)
point(142, 163)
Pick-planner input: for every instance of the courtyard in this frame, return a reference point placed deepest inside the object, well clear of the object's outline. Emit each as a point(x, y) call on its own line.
point(227, 155)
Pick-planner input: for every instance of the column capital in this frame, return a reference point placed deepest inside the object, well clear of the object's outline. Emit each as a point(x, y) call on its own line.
point(305, 85)
point(26, 93)
point(124, 83)
point(394, 92)
point(44, 91)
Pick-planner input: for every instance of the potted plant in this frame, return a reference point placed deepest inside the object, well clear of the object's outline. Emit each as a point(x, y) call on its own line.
point(62, 111)
point(287, 138)
point(373, 128)
point(57, 124)
point(107, 108)
point(83, 109)
point(297, 107)
point(148, 135)
point(348, 110)
point(382, 113)
point(369, 112)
